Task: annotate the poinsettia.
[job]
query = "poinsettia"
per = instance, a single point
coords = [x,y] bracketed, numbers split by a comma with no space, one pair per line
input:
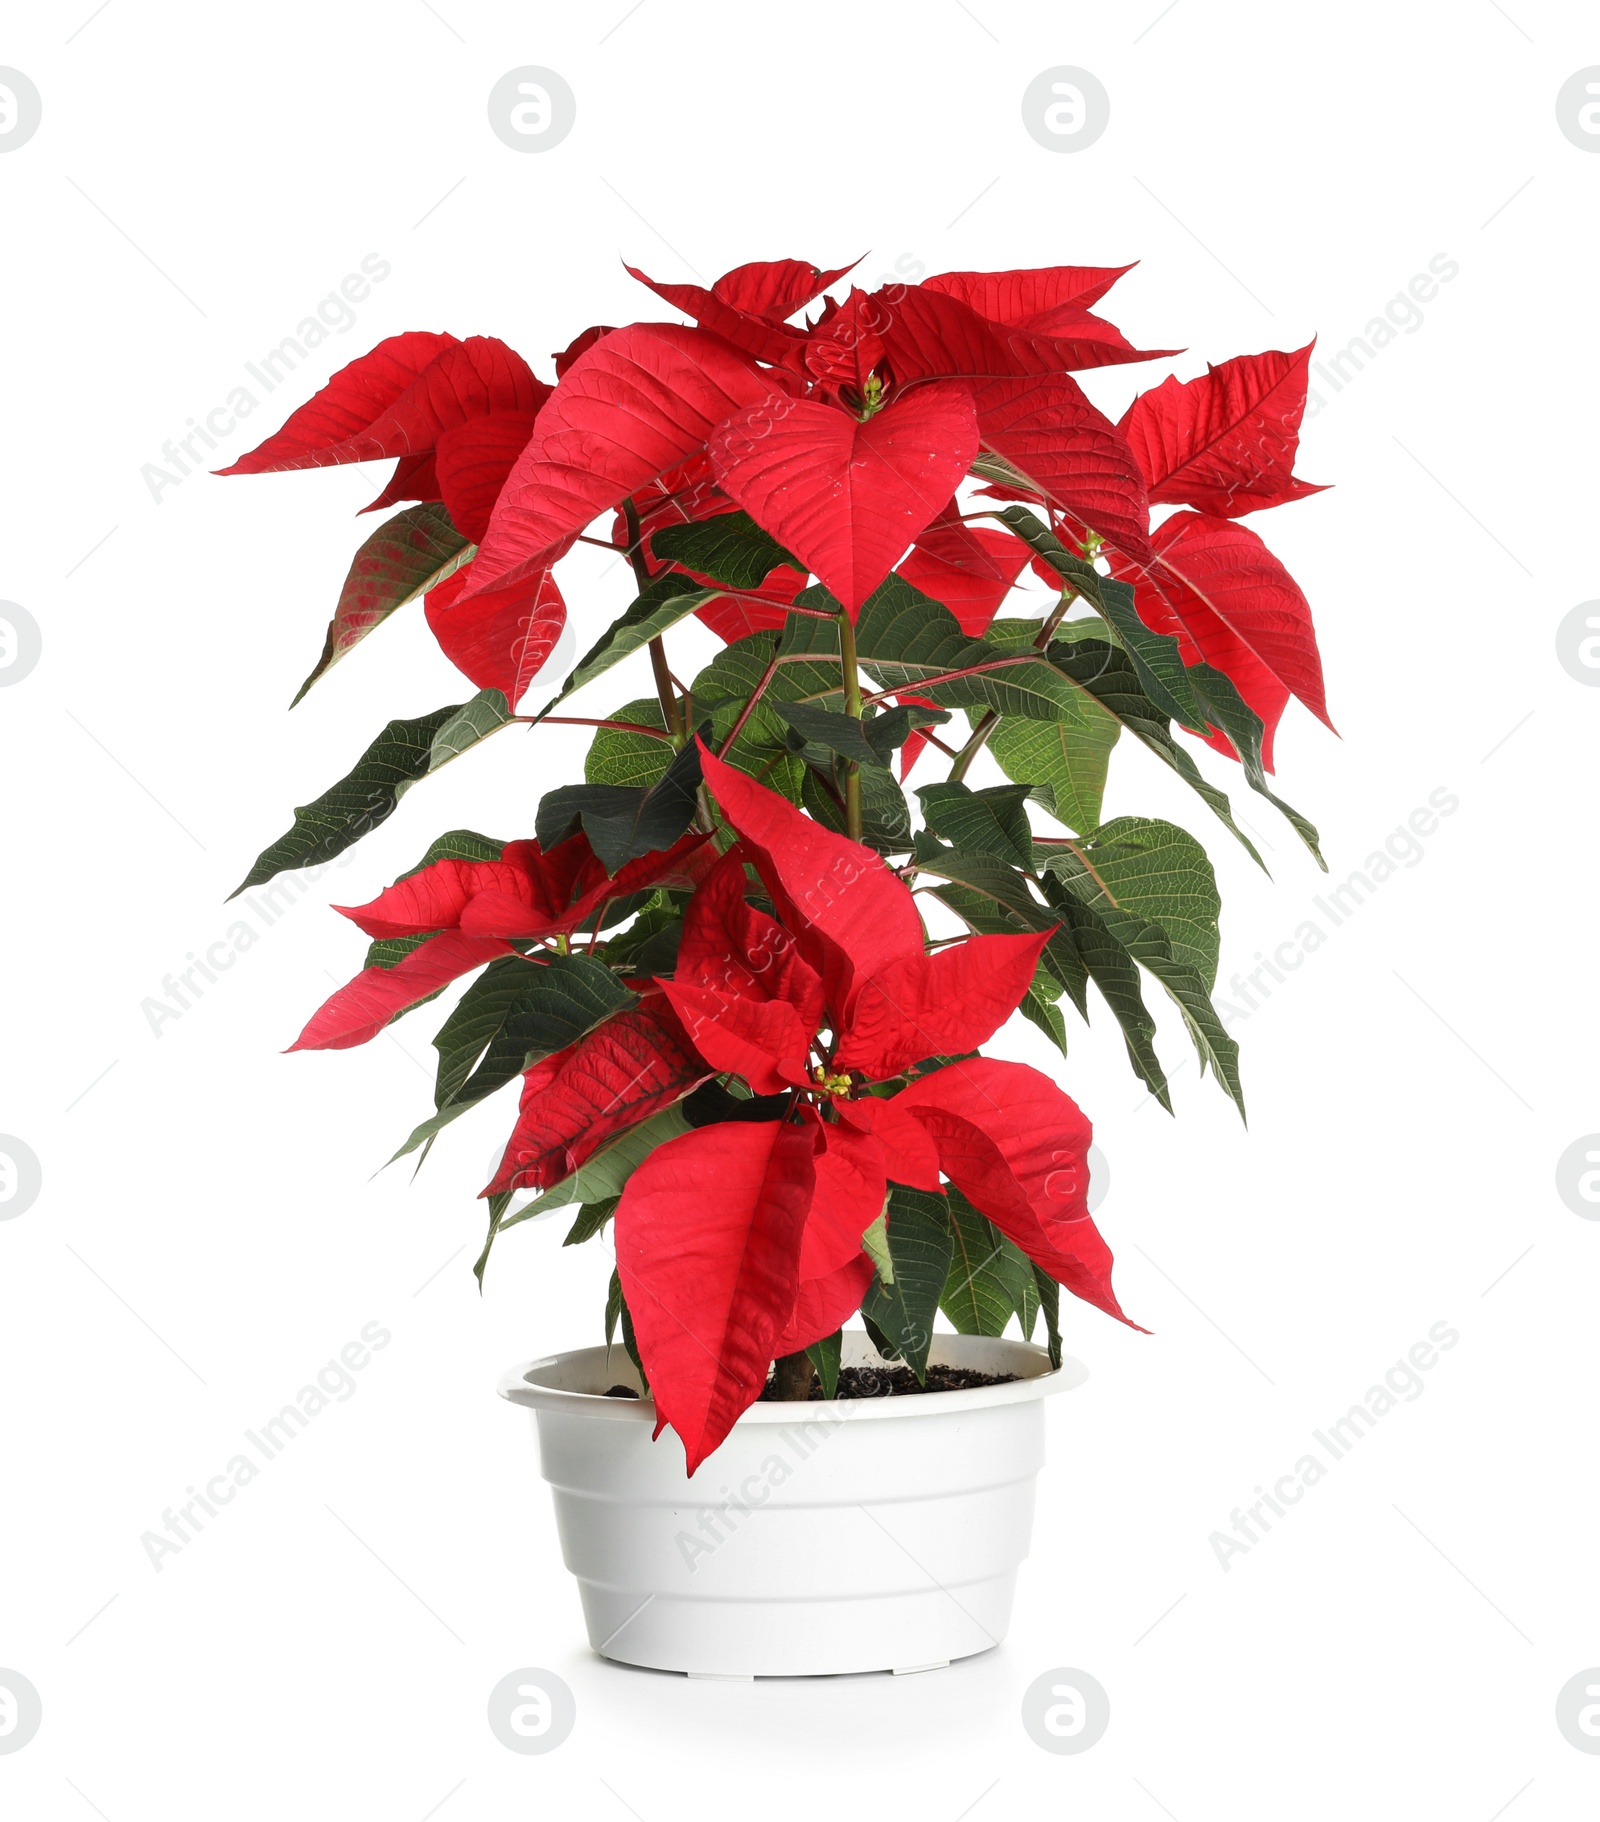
[740,1241]
[737,1041]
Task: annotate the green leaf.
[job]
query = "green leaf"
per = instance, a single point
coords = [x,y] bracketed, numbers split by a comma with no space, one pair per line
[497,1207]
[991,821]
[1115,973]
[983,1289]
[635,761]
[1147,944]
[731,548]
[629,1342]
[591,1218]
[1157,870]
[363,798]
[824,1357]
[1039,1006]
[885,820]
[1063,761]
[1157,658]
[724,687]
[385,951]
[458,844]
[405,557]
[1050,1303]
[1226,708]
[841,734]
[1075,572]
[1106,672]
[904,637]
[484,715]
[663,603]
[875,1243]
[994,900]
[891,728]
[920,1243]
[514,1014]
[623,823]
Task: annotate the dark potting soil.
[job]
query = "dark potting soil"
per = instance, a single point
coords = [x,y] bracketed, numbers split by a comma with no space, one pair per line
[901,1382]
[880,1382]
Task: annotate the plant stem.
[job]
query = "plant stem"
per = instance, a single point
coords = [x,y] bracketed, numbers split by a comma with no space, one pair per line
[791,1378]
[744,714]
[670,711]
[980,734]
[852,706]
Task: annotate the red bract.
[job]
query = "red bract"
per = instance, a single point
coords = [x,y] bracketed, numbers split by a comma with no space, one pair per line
[1075,459]
[456,414]
[971,569]
[500,639]
[636,403]
[1217,583]
[1224,443]
[470,910]
[629,1068]
[846,495]
[1026,299]
[740,1240]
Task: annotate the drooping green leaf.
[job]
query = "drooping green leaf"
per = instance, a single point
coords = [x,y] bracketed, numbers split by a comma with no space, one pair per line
[1050,1303]
[731,549]
[363,798]
[824,1356]
[591,1218]
[1107,673]
[983,1289]
[1115,973]
[1157,659]
[498,1205]
[1040,1008]
[1063,761]
[623,823]
[990,821]
[405,557]
[484,715]
[665,601]
[1075,572]
[920,1242]
[514,1014]
[1157,870]
[995,900]
[634,761]
[1148,944]
[1225,708]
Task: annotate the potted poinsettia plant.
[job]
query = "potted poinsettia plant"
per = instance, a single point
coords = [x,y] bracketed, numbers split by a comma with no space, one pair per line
[742,1047]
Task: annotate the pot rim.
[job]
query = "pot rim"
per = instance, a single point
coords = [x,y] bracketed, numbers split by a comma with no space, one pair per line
[535,1383]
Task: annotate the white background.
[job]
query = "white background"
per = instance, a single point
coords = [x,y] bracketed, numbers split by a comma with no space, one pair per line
[210,1230]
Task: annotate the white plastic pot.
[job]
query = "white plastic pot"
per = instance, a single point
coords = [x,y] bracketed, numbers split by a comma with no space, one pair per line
[848,1535]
